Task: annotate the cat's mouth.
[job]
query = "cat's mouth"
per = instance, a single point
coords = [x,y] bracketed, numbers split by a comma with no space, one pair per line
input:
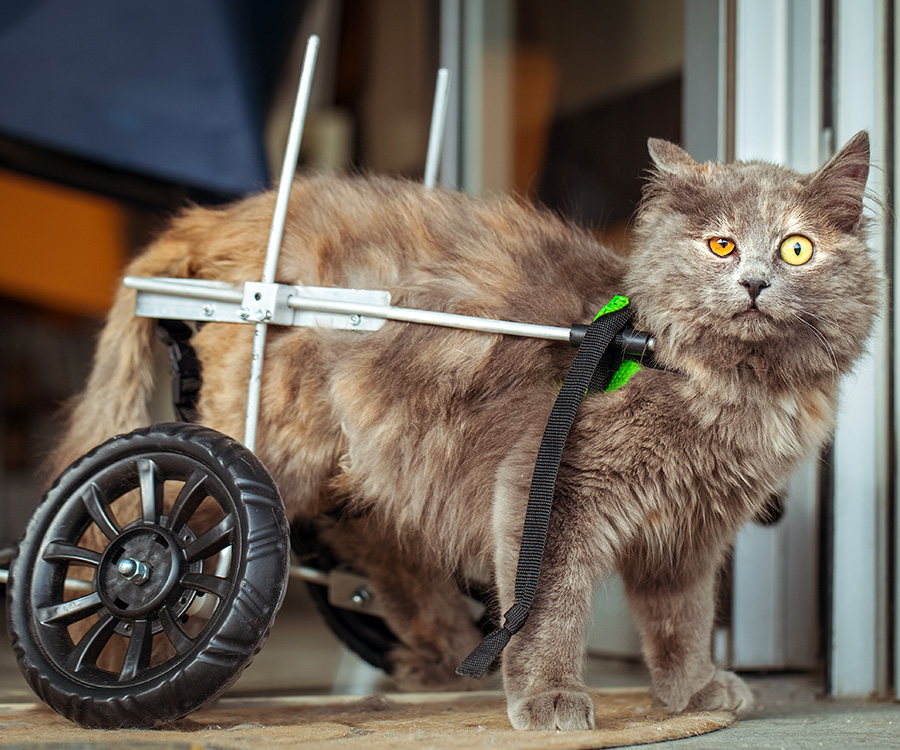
[752,324]
[750,312]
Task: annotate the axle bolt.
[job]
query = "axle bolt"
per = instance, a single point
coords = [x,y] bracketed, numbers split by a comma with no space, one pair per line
[134,570]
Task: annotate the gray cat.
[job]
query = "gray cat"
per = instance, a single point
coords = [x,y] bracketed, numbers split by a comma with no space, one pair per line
[420,441]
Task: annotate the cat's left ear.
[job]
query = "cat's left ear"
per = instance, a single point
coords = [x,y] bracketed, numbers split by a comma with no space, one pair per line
[670,158]
[840,185]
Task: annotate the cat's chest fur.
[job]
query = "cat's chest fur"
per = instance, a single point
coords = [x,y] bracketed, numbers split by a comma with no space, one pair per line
[672,460]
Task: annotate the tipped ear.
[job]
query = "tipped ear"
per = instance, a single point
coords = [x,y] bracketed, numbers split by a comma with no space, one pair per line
[840,185]
[670,158]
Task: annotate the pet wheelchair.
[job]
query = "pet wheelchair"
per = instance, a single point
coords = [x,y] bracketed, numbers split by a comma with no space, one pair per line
[191,603]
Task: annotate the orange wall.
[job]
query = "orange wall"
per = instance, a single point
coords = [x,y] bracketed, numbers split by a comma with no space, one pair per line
[59,247]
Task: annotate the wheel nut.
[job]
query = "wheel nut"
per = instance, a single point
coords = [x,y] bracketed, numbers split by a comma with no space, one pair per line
[134,570]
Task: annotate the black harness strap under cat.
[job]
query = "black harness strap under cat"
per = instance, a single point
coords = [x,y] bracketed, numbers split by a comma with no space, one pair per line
[593,368]
[184,367]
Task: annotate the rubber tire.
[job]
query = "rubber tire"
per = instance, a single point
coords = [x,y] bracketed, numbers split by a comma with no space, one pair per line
[228,641]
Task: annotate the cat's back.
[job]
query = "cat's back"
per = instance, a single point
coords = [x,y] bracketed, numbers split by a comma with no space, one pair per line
[437,248]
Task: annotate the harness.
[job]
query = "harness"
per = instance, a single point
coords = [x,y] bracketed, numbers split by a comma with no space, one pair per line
[184,367]
[597,366]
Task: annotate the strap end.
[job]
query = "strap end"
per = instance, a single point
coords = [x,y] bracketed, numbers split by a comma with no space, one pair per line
[480,660]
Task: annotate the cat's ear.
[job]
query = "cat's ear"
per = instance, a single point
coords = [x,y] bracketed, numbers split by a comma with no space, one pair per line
[840,185]
[670,158]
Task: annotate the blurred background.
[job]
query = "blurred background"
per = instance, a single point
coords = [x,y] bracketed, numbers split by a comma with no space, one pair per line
[115,115]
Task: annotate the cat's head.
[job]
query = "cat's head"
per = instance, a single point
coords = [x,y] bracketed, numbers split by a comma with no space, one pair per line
[755,265]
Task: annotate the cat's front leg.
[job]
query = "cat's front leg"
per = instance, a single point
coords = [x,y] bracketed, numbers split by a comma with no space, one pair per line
[674,613]
[543,664]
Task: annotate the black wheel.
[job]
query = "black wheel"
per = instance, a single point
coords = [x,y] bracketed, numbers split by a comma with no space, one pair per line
[105,591]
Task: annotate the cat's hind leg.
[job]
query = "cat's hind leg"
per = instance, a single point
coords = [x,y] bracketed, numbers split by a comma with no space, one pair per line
[425,608]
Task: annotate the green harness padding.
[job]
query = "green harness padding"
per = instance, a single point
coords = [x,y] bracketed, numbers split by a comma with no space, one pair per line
[626,371]
[629,367]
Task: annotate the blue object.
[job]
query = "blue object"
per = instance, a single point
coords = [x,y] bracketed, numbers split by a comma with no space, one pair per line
[170,89]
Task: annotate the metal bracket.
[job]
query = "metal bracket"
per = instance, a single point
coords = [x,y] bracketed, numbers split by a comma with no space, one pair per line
[345,321]
[258,302]
[350,591]
[346,589]
[266,303]
[186,299]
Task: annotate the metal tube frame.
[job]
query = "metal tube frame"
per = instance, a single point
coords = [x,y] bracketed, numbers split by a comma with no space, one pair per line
[264,303]
[438,121]
[300,298]
[276,233]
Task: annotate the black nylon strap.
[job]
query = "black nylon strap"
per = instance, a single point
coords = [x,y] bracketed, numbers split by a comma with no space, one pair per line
[592,368]
[184,366]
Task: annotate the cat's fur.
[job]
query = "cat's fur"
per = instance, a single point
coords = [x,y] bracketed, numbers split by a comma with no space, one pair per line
[423,438]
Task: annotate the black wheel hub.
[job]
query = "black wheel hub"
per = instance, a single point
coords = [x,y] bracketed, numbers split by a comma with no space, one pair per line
[139,572]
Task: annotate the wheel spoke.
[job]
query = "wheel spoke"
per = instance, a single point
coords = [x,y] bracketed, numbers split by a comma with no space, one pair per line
[210,584]
[189,498]
[71,553]
[140,647]
[99,514]
[180,640]
[92,643]
[71,611]
[214,540]
[151,490]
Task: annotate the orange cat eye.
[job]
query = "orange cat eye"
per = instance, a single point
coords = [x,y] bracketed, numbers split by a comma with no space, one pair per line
[796,250]
[721,246]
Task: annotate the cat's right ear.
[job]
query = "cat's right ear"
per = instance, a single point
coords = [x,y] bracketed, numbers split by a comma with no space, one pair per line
[670,158]
[840,186]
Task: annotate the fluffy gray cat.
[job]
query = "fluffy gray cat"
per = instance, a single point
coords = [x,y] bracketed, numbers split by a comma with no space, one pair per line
[417,443]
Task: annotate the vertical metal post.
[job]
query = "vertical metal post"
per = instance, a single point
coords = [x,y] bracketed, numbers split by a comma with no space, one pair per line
[893,173]
[436,133]
[451,58]
[776,117]
[709,79]
[276,233]
[858,648]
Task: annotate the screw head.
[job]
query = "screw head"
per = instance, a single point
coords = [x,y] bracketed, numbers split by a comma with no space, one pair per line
[355,320]
[361,597]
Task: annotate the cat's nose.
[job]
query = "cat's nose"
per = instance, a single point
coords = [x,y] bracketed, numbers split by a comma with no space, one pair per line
[754,287]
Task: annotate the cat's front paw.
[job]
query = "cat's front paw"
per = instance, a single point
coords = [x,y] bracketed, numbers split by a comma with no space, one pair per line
[726,691]
[554,709]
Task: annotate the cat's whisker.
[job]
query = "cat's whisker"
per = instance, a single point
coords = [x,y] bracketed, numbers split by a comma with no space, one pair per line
[817,316]
[824,343]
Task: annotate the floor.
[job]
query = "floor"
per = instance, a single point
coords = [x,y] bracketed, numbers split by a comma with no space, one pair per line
[303,657]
